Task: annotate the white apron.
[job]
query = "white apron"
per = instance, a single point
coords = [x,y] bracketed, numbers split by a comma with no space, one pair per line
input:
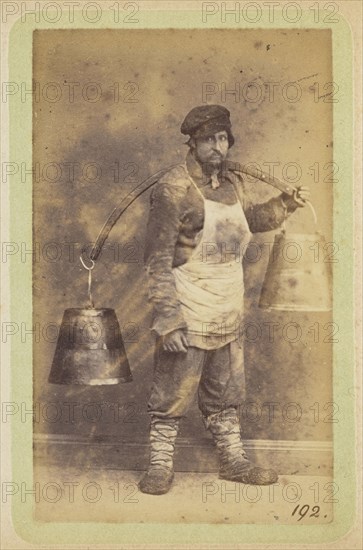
[210,284]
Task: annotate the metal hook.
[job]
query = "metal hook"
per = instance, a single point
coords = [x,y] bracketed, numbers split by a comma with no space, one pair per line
[283,225]
[313,211]
[89,269]
[85,266]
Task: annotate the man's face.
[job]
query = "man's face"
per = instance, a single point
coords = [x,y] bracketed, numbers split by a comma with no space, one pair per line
[212,150]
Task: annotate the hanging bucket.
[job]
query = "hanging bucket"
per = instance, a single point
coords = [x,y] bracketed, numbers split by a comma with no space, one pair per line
[90,350]
[297,277]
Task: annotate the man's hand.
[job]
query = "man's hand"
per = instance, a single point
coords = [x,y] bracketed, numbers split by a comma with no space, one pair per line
[299,198]
[301,195]
[175,341]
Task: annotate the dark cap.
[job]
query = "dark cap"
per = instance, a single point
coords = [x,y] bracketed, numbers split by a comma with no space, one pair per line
[206,120]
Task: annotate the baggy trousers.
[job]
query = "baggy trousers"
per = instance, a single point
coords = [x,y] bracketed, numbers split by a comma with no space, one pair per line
[217,375]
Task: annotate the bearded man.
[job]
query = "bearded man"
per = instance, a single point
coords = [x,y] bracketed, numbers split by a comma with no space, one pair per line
[199,218]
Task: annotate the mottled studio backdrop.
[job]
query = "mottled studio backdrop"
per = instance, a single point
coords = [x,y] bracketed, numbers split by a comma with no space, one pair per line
[127,124]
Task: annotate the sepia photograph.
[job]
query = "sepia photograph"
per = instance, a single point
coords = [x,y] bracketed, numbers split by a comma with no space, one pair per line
[181,268]
[196,340]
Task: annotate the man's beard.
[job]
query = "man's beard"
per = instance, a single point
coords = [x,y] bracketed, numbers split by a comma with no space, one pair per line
[211,165]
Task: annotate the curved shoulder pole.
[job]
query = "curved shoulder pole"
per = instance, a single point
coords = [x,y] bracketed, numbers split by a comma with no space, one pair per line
[124,204]
[152,180]
[262,176]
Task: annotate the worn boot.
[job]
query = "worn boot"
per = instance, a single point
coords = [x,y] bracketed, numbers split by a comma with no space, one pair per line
[159,476]
[234,464]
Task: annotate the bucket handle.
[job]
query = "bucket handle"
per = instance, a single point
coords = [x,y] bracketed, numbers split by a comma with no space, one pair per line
[283,225]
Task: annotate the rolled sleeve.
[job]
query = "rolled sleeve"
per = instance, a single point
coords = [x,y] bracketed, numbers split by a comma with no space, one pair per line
[267,216]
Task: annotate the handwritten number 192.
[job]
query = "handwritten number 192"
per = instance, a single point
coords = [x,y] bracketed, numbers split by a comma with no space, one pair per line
[303,510]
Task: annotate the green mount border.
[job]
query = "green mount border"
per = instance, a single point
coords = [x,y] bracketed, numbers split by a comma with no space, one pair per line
[20,67]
